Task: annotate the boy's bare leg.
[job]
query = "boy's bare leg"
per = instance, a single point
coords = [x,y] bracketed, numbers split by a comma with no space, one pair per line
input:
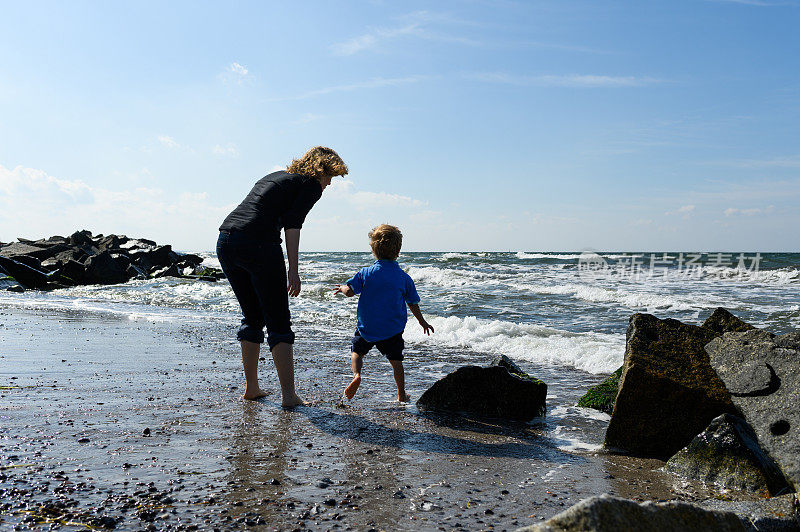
[284,364]
[250,353]
[357,362]
[400,379]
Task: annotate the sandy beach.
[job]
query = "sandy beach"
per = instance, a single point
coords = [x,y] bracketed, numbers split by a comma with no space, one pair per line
[140,422]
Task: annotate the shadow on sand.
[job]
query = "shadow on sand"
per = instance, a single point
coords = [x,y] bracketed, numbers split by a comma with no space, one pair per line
[358,428]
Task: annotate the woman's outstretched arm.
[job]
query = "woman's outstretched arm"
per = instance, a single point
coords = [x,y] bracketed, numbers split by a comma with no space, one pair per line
[292,248]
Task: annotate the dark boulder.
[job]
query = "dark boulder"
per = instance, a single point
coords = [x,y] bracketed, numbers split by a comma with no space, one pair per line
[613,514]
[762,372]
[727,454]
[776,514]
[18,249]
[668,392]
[81,238]
[135,272]
[59,260]
[167,271]
[24,274]
[491,392]
[150,258]
[602,396]
[104,269]
[721,321]
[72,273]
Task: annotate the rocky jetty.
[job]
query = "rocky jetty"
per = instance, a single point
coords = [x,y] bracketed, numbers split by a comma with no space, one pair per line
[501,390]
[668,391]
[82,258]
[727,453]
[762,372]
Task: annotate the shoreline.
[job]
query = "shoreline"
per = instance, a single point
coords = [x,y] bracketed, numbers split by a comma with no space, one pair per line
[375,464]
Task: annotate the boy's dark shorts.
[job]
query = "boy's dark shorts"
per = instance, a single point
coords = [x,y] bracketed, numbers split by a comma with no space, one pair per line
[391,348]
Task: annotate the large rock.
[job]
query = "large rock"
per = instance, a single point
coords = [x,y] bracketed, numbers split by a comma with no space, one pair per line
[104,269]
[612,514]
[488,392]
[668,391]
[762,372]
[727,454]
[24,274]
[602,396]
[776,514]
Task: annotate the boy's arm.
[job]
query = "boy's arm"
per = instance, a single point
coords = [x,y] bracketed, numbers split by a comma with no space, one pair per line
[345,289]
[427,327]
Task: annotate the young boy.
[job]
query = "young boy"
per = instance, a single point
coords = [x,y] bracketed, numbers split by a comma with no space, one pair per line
[385,290]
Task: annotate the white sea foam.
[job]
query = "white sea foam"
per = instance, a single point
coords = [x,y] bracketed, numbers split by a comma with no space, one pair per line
[592,352]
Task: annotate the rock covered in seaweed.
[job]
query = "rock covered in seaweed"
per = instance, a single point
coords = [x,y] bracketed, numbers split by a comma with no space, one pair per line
[612,514]
[668,391]
[501,390]
[727,453]
[762,372]
[602,396]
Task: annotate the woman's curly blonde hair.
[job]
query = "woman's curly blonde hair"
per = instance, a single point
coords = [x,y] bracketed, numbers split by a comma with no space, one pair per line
[386,241]
[317,162]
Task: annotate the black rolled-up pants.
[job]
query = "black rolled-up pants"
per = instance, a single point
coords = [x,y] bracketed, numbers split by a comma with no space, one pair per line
[257,274]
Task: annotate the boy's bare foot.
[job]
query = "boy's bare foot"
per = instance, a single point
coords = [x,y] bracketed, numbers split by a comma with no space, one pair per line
[405,398]
[292,401]
[352,388]
[253,395]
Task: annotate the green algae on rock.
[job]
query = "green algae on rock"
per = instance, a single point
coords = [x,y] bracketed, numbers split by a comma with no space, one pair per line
[602,396]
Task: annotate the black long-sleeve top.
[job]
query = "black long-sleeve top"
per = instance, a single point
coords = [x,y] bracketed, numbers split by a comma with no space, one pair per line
[278,200]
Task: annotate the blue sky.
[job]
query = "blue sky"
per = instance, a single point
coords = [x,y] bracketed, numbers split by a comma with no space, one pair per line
[472,125]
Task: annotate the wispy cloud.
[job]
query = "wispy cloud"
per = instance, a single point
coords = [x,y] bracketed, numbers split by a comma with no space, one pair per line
[418,24]
[168,142]
[563,80]
[53,205]
[228,149]
[753,211]
[773,162]
[684,212]
[344,189]
[759,3]
[235,73]
[374,83]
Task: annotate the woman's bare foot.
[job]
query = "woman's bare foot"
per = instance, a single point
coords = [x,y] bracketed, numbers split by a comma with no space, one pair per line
[253,395]
[289,402]
[352,388]
[405,398]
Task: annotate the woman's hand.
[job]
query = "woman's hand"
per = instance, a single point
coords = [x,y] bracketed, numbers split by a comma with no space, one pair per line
[426,327]
[294,283]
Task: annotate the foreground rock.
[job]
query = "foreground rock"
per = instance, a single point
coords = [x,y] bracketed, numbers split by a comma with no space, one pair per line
[501,390]
[668,391]
[85,259]
[777,514]
[612,514]
[727,454]
[602,396]
[762,372]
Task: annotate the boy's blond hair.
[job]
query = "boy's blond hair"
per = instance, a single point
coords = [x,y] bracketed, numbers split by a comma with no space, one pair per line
[386,241]
[317,162]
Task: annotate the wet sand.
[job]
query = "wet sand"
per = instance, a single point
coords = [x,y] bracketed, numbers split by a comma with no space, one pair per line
[140,424]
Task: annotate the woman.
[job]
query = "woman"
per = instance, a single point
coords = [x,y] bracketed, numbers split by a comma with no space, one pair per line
[249,251]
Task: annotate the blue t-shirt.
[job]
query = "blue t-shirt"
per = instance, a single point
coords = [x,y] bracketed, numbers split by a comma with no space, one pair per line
[385,290]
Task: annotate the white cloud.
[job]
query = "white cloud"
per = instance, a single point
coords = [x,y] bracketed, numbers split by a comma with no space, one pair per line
[345,190]
[34,204]
[560,80]
[235,73]
[229,150]
[685,211]
[168,142]
[748,212]
[374,83]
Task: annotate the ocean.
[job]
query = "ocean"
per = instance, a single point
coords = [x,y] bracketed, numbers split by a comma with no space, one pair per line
[552,312]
